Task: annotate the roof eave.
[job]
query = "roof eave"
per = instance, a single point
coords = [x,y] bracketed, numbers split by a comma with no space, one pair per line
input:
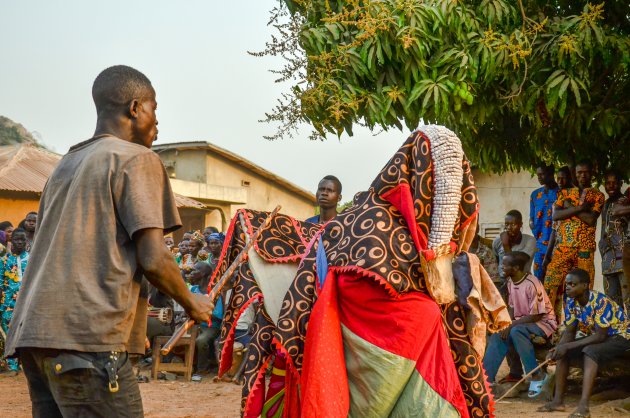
[238,159]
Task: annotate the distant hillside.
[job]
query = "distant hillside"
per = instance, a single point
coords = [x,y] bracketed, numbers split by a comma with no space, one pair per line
[14,133]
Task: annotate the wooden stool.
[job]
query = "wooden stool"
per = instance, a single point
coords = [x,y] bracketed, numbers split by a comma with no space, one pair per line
[187,342]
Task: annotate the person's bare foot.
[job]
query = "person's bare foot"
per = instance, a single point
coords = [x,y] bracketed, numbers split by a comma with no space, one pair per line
[551,407]
[581,411]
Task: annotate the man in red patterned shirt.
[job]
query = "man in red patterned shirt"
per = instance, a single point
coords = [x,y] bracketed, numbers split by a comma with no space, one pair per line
[577,209]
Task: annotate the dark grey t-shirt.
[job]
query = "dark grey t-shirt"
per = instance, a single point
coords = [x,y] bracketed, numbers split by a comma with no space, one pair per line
[81,288]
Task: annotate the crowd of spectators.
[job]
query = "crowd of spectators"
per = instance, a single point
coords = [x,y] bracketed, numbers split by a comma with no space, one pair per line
[15,246]
[547,281]
[197,255]
[546,278]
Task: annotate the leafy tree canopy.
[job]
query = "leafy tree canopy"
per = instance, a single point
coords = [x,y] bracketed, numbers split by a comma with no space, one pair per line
[519,81]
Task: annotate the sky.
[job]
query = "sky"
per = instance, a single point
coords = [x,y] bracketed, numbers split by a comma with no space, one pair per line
[195,53]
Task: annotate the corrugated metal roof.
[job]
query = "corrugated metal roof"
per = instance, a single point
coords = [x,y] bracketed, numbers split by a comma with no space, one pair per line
[239,160]
[187,202]
[26,167]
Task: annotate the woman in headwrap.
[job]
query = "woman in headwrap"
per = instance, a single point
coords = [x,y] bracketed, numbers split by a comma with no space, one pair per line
[215,244]
[195,252]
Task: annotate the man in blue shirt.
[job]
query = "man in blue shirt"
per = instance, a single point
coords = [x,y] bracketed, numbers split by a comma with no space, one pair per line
[540,212]
[328,197]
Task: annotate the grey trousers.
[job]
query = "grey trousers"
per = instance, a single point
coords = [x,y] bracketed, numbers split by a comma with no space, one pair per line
[615,287]
[65,383]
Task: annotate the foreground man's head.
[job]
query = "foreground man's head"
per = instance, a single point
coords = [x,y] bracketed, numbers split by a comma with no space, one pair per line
[125,105]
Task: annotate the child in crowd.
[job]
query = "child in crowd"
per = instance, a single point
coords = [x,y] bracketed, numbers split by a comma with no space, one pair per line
[532,314]
[199,278]
[12,267]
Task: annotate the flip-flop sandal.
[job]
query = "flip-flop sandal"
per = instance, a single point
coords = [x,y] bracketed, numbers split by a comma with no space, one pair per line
[536,387]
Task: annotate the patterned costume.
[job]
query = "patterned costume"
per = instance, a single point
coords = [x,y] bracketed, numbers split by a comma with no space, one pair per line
[487,259]
[575,241]
[541,204]
[12,269]
[373,268]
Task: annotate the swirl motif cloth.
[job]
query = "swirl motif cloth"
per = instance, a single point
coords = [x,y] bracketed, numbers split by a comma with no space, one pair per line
[376,312]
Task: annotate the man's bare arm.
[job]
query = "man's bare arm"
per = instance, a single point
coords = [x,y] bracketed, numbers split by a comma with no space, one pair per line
[583,212]
[588,217]
[560,214]
[597,337]
[160,269]
[622,208]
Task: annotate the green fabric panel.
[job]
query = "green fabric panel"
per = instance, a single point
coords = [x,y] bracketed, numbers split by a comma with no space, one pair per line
[376,377]
[420,400]
[383,384]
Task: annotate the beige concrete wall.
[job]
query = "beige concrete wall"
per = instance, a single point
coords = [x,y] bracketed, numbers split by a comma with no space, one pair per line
[14,208]
[189,164]
[499,193]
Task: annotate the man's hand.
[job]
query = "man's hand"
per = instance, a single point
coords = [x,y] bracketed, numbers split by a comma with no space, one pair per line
[505,333]
[557,352]
[201,308]
[545,264]
[505,240]
[586,206]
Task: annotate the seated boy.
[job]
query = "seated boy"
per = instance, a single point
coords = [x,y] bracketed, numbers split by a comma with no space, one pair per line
[532,314]
[199,278]
[606,337]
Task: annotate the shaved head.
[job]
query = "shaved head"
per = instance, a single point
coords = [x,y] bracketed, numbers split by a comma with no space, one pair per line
[115,87]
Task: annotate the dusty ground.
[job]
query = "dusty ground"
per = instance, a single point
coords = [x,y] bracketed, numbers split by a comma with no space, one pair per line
[208,399]
[160,398]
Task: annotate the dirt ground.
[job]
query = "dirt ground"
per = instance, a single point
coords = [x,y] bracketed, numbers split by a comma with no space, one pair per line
[221,400]
[160,399]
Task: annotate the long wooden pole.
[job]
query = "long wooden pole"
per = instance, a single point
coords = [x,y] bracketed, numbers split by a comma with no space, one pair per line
[216,290]
[523,379]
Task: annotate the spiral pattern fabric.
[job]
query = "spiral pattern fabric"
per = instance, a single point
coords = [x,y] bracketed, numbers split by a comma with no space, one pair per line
[382,237]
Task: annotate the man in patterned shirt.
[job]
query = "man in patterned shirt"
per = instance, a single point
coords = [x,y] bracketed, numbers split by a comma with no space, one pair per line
[613,235]
[12,267]
[540,215]
[577,209]
[605,337]
[622,209]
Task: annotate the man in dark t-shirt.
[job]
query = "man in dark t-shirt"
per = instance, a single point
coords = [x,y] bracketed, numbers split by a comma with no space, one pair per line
[79,313]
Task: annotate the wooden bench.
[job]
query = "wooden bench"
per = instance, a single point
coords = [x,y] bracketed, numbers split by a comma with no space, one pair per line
[185,344]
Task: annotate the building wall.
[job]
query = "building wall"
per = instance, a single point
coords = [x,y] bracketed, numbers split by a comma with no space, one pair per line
[187,165]
[14,207]
[499,193]
[227,186]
